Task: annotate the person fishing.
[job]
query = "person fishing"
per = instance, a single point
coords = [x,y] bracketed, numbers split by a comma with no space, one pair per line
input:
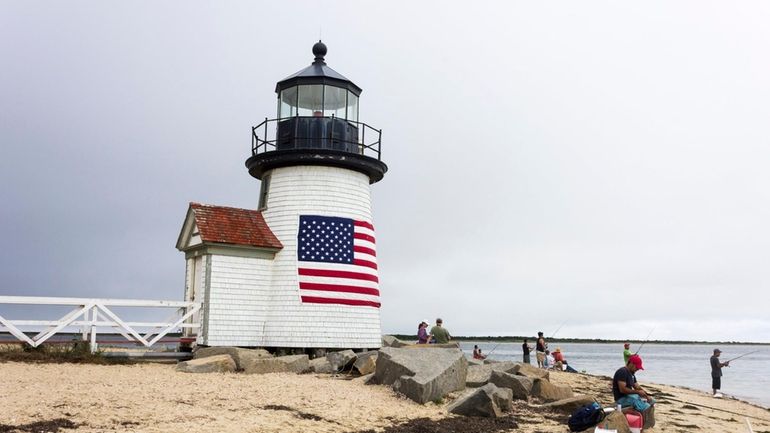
[477,353]
[526,349]
[716,373]
[560,362]
[626,352]
[540,346]
[628,393]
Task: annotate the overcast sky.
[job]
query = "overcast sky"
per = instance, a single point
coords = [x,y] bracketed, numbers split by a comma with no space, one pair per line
[606,164]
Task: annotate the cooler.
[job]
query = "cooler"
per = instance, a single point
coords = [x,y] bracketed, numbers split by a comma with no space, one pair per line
[635,421]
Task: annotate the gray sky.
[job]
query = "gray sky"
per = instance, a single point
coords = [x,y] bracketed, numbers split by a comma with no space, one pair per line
[603,163]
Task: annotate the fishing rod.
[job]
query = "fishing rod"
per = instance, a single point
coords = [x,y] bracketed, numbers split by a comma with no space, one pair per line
[739,357]
[557,330]
[645,341]
[493,349]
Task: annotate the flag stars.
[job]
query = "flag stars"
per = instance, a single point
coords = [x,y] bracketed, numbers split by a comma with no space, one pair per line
[325,239]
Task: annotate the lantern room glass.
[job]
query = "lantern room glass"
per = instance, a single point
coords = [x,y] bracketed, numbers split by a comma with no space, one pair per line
[287,103]
[310,100]
[352,107]
[316,100]
[335,101]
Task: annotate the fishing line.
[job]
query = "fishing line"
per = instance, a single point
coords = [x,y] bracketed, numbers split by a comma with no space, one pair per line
[713,408]
[493,349]
[557,330]
[645,341]
[739,357]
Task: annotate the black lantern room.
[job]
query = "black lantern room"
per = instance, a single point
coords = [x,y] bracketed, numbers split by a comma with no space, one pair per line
[317,124]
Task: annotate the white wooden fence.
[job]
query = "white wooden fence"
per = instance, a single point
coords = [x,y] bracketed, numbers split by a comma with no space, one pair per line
[89,314]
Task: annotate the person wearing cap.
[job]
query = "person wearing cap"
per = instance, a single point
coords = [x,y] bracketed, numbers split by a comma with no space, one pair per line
[628,392]
[716,372]
[540,346]
[626,352]
[422,332]
[439,333]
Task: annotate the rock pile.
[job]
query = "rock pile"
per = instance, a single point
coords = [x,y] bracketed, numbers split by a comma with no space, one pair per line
[260,361]
[422,373]
[249,361]
[524,382]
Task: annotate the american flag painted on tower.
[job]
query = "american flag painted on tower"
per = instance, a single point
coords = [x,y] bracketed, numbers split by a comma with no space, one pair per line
[337,261]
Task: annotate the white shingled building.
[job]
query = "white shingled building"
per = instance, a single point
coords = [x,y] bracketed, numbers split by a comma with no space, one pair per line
[300,271]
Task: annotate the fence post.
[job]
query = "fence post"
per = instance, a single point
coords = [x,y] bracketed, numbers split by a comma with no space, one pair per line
[84,328]
[94,319]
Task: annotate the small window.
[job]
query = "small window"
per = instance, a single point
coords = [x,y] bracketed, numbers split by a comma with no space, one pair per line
[263,191]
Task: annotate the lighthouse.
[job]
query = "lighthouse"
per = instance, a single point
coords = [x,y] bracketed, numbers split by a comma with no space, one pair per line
[300,270]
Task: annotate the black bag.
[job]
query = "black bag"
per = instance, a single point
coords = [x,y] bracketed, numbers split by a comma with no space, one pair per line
[586,417]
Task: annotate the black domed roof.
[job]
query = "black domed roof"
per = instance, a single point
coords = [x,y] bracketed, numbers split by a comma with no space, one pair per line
[318,73]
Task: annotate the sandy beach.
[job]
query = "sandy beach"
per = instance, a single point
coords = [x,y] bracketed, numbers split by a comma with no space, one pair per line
[154,398]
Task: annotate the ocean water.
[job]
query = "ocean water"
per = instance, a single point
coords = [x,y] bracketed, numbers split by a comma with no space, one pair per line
[747,378]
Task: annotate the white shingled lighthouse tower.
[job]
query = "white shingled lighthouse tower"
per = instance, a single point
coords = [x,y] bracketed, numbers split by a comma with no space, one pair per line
[301,270]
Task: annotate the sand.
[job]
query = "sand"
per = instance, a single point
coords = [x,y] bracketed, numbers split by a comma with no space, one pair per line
[154,398]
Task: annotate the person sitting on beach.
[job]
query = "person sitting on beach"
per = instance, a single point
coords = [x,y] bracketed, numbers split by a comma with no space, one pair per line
[558,359]
[628,392]
[422,332]
[560,363]
[548,362]
[477,352]
[439,333]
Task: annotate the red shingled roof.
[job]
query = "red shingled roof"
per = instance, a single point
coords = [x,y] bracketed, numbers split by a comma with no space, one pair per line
[229,225]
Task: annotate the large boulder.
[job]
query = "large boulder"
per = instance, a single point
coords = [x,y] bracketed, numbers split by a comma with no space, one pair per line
[321,365]
[279,364]
[614,421]
[478,375]
[531,372]
[520,386]
[569,405]
[342,360]
[366,362]
[546,391]
[209,364]
[391,341]
[421,375]
[472,361]
[237,353]
[482,402]
[503,398]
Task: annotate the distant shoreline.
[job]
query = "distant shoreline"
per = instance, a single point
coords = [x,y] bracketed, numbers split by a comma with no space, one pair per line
[518,339]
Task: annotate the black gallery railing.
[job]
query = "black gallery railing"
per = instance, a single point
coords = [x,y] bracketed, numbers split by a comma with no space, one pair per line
[316,132]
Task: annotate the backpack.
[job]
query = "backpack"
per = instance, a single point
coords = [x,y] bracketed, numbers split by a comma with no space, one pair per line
[586,417]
